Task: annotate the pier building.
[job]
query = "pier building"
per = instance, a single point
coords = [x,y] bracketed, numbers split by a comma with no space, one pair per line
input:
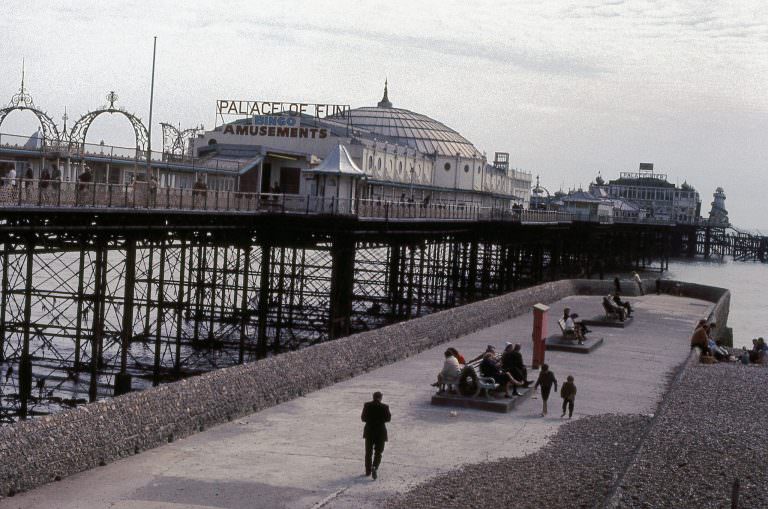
[657,198]
[404,155]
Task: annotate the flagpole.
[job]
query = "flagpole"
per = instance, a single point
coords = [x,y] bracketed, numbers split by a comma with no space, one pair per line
[151,101]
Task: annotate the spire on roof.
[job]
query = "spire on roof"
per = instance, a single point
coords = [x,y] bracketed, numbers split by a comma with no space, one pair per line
[385,103]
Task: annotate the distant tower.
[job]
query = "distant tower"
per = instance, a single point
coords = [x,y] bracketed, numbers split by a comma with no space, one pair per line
[384,103]
[718,214]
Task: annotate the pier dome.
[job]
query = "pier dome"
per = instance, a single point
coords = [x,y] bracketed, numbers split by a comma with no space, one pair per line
[412,129]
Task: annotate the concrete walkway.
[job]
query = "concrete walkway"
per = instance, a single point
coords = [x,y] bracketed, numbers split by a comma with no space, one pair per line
[307,453]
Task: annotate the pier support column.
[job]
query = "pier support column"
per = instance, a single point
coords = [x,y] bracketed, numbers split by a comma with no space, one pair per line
[472,276]
[179,307]
[342,284]
[263,309]
[160,317]
[244,311]
[25,363]
[123,379]
[393,277]
[97,333]
[4,301]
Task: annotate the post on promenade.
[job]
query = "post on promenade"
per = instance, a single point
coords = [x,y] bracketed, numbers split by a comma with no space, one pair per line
[539,334]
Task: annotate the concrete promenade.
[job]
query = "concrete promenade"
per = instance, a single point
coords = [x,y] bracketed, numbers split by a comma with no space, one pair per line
[307,453]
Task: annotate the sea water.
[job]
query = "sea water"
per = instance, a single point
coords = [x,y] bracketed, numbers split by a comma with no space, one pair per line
[748,316]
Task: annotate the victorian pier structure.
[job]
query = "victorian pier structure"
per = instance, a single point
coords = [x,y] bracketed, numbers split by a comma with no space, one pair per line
[95,302]
[123,268]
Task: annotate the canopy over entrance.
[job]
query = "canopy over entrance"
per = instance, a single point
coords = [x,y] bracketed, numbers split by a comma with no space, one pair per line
[337,162]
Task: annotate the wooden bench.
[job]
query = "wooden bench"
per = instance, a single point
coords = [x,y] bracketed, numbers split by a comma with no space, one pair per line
[613,311]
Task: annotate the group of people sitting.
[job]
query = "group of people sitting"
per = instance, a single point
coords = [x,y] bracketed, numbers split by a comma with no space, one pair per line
[758,354]
[704,339]
[509,371]
[614,305]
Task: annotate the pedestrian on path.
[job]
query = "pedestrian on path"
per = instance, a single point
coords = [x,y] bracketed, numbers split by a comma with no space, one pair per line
[546,380]
[375,416]
[568,393]
[639,282]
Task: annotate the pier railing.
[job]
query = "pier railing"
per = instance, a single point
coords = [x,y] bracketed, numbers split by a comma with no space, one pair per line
[38,193]
[111,153]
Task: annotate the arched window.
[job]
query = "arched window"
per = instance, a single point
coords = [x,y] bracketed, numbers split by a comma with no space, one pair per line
[466,168]
[370,162]
[447,166]
[378,164]
[478,170]
[400,167]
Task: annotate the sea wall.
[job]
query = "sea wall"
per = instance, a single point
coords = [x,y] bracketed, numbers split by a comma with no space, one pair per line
[49,448]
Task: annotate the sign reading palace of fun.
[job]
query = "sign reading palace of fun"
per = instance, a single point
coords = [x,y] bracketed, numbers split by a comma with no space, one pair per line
[278,119]
[251,108]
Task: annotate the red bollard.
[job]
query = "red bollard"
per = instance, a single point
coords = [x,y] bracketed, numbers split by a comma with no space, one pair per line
[539,334]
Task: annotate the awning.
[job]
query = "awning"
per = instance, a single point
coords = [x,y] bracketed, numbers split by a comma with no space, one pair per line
[337,162]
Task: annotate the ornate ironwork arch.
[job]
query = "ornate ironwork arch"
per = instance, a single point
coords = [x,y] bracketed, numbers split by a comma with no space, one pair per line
[80,130]
[174,139]
[51,134]
[23,101]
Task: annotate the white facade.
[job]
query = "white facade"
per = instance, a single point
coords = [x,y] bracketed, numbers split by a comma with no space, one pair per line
[404,155]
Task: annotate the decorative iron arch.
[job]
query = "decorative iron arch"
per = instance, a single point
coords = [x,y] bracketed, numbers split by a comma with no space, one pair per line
[80,129]
[174,139]
[23,101]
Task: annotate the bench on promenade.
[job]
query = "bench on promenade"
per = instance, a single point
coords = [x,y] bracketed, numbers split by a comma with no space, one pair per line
[566,341]
[476,391]
[612,317]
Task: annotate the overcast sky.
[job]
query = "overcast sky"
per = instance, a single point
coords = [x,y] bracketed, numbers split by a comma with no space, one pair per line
[567,91]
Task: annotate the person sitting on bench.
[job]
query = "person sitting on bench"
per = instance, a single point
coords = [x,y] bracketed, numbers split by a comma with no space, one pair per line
[488,349]
[699,337]
[579,325]
[613,309]
[512,362]
[622,303]
[490,368]
[572,328]
[458,356]
[449,376]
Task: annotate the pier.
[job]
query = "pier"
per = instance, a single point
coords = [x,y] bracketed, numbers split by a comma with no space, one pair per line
[107,289]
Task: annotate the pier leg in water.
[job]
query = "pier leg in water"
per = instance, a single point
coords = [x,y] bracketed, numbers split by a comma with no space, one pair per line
[342,282]
[123,378]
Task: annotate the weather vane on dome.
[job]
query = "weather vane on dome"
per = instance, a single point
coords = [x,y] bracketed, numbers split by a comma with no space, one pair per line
[112,97]
[22,99]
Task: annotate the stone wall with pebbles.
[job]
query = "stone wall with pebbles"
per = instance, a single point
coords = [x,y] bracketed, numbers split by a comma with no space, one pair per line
[49,448]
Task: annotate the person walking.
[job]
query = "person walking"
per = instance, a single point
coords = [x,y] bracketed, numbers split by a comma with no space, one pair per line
[546,380]
[375,416]
[639,282]
[568,393]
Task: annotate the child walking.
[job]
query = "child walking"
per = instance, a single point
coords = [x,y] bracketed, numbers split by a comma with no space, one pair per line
[546,380]
[568,393]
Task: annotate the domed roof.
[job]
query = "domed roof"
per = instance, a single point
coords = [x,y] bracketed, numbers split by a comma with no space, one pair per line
[411,129]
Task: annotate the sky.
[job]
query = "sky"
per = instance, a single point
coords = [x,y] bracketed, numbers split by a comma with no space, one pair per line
[569,89]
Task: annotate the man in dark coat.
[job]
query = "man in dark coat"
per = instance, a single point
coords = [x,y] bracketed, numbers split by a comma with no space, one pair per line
[375,415]
[517,366]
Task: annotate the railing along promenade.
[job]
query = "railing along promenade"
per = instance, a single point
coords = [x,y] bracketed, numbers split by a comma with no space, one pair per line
[35,193]
[111,153]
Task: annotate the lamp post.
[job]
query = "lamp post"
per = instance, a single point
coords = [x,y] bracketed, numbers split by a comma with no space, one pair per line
[151,101]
